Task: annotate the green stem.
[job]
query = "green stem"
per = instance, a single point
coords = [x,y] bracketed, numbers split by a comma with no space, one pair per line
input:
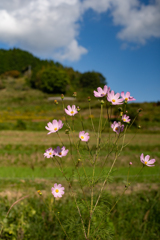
[73,123]
[92,189]
[60,139]
[74,198]
[91,117]
[128,174]
[126,187]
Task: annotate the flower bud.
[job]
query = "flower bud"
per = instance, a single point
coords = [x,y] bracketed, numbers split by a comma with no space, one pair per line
[102,102]
[56,102]
[139,127]
[39,192]
[62,96]
[120,109]
[67,131]
[78,109]
[74,94]
[139,110]
[130,163]
[121,113]
[89,99]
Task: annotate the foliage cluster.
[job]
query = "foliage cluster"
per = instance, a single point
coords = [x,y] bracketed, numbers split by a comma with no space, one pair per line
[35,218]
[52,80]
[12,73]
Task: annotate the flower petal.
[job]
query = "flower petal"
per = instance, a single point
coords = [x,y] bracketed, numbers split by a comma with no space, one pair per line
[122,95]
[151,161]
[105,89]
[99,89]
[127,94]
[142,157]
[148,165]
[146,158]
[67,112]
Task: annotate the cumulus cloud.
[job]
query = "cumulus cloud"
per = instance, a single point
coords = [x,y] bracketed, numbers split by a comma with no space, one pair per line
[97,5]
[50,28]
[71,52]
[43,27]
[139,22]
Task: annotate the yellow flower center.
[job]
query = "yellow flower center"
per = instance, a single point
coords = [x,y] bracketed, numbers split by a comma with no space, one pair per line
[116,128]
[56,190]
[113,100]
[50,153]
[55,129]
[145,162]
[126,99]
[82,137]
[124,119]
[60,153]
[72,112]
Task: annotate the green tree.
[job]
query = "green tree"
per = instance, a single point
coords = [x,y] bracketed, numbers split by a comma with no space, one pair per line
[92,80]
[52,80]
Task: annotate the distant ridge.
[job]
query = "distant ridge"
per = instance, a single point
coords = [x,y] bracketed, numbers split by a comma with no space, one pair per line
[47,75]
[17,59]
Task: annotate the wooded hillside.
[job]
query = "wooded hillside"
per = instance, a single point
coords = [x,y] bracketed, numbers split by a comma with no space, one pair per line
[47,75]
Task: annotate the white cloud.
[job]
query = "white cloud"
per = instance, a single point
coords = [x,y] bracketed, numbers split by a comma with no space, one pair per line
[97,5]
[42,26]
[139,22]
[50,28]
[71,52]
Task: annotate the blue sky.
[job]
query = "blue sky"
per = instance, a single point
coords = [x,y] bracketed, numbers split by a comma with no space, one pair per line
[119,38]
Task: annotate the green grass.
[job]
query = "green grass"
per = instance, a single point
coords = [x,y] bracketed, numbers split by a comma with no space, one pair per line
[118,174]
[23,170]
[135,217]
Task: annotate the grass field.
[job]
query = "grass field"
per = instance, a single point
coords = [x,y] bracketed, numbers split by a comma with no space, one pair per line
[24,113]
[24,170]
[22,160]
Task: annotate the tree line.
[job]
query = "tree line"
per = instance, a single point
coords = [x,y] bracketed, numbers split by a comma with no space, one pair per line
[47,75]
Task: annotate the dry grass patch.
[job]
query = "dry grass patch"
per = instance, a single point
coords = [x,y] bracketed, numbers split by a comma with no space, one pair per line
[41,138]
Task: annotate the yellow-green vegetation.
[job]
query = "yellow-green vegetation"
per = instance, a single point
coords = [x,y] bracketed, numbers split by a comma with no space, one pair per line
[23,108]
[22,157]
[24,113]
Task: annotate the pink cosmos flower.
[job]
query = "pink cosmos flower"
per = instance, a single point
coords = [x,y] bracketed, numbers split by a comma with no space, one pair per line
[54,126]
[57,190]
[117,127]
[84,136]
[114,98]
[126,118]
[60,152]
[145,160]
[130,163]
[101,92]
[126,97]
[71,111]
[49,153]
